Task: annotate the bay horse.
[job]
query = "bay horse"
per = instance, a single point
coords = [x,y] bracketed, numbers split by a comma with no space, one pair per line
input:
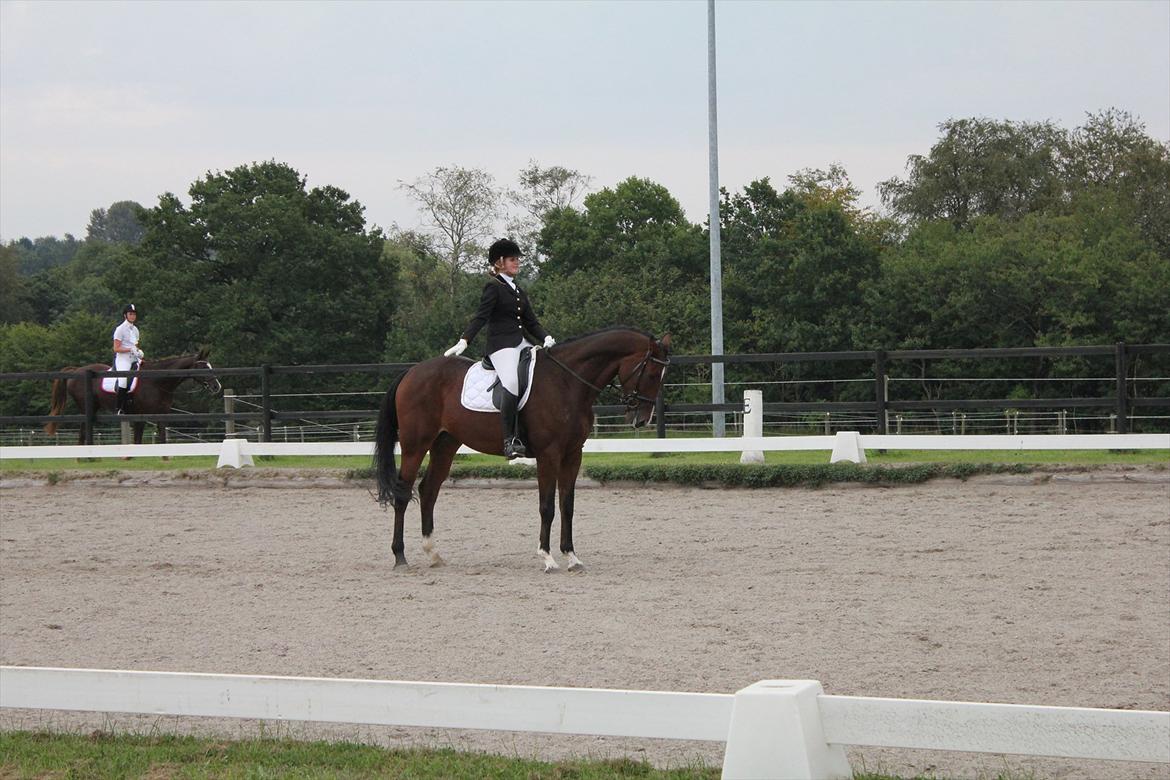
[422,412]
[154,395]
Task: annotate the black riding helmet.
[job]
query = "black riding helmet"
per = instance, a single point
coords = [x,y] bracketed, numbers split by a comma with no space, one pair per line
[128,308]
[504,247]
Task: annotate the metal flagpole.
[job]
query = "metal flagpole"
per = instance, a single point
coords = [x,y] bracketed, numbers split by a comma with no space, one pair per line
[717,418]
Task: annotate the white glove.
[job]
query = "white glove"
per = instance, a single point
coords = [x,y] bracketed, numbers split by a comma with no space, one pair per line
[549,341]
[138,353]
[457,349]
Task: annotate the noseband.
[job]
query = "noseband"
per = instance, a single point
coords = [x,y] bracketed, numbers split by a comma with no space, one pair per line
[632,398]
[629,399]
[209,382]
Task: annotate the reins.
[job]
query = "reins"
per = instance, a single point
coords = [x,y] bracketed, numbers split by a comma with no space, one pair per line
[574,374]
[629,399]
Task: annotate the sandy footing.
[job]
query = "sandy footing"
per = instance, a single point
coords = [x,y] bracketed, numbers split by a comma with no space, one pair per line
[1054,593]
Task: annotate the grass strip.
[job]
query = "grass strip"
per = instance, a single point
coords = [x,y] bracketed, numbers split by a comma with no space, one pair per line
[101,754]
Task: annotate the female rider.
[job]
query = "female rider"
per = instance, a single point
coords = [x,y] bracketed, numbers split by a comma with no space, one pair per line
[507,312]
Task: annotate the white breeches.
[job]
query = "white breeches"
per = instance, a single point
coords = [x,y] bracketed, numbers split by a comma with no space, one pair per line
[507,363]
[124,361]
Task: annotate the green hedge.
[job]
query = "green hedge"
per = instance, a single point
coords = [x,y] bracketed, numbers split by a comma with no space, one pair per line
[749,476]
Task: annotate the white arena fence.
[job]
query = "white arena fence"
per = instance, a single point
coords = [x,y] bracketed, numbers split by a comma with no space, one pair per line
[775,728]
[844,446]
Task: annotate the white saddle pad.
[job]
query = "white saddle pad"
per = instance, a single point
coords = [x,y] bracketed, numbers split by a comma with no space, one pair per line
[477,387]
[109,386]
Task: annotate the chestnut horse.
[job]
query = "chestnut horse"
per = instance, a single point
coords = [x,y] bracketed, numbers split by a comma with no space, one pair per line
[154,395]
[422,411]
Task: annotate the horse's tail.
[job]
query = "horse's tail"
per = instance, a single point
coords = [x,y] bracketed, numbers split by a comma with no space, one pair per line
[59,398]
[390,487]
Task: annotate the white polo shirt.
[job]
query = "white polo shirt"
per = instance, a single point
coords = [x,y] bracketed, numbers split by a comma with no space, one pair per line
[127,333]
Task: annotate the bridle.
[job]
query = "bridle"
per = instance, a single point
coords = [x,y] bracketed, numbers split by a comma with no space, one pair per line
[212,383]
[630,399]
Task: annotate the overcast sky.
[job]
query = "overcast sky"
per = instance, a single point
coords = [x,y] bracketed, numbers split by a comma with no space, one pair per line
[104,101]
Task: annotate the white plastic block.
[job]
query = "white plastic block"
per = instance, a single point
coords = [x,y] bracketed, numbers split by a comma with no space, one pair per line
[847,446]
[234,453]
[776,732]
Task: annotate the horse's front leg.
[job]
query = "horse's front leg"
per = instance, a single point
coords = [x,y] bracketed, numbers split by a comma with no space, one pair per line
[442,454]
[567,485]
[546,479]
[139,429]
[162,436]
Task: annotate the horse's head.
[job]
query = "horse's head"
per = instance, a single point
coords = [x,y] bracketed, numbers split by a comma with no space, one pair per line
[210,382]
[640,376]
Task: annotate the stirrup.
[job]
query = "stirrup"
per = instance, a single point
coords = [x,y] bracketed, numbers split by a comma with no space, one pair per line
[514,448]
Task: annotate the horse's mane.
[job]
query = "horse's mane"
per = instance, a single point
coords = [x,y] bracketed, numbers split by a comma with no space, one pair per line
[167,362]
[645,333]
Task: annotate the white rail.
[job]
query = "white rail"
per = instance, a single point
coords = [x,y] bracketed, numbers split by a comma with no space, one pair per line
[1098,441]
[787,727]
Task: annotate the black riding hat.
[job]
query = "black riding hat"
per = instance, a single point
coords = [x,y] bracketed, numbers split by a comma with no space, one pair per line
[504,247]
[129,308]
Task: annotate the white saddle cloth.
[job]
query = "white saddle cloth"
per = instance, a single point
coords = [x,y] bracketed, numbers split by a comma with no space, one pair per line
[477,387]
[109,384]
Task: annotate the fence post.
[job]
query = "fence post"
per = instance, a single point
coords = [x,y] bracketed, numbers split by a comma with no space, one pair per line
[660,415]
[776,731]
[90,409]
[229,407]
[266,402]
[1122,392]
[879,385]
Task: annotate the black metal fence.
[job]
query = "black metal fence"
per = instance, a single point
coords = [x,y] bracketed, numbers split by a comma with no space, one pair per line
[1116,392]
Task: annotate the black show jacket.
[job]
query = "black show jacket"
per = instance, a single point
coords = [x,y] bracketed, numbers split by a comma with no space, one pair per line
[507,313]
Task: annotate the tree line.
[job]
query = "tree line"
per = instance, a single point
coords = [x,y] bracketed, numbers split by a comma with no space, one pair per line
[1003,234]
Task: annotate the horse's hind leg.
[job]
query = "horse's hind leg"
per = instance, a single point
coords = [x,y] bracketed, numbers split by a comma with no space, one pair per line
[398,546]
[406,474]
[567,484]
[442,454]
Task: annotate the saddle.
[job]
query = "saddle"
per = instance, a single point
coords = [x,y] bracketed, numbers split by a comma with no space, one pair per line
[109,384]
[482,390]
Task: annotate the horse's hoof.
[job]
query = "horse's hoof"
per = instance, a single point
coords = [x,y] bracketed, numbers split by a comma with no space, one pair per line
[576,567]
[399,561]
[436,562]
[551,569]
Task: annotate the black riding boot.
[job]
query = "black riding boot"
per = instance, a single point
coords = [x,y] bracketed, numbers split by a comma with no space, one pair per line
[510,421]
[120,400]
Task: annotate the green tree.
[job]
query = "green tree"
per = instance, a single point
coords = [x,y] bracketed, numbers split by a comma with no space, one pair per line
[461,207]
[75,340]
[542,190]
[14,304]
[264,270]
[427,318]
[630,257]
[1112,156]
[1043,280]
[980,167]
[43,253]
[121,223]
[794,267]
